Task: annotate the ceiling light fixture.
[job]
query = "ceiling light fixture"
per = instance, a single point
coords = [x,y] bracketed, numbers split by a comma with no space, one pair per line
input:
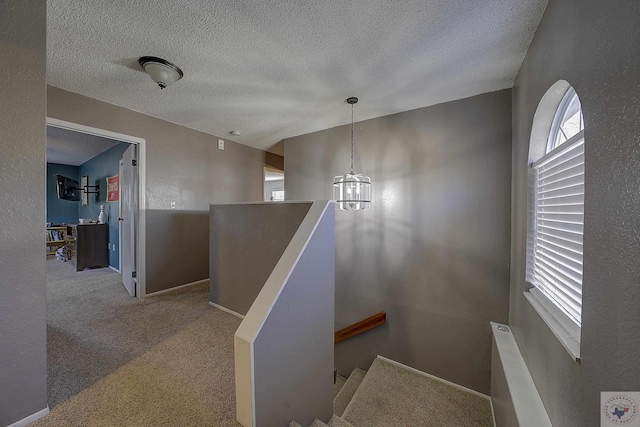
[352,192]
[234,133]
[161,71]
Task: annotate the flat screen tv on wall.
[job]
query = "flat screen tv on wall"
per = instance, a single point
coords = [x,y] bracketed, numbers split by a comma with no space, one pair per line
[68,189]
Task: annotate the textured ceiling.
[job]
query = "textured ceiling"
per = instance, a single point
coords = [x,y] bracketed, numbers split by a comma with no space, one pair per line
[74,148]
[281,68]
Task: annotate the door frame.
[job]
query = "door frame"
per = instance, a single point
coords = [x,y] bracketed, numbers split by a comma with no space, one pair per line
[141,288]
[120,215]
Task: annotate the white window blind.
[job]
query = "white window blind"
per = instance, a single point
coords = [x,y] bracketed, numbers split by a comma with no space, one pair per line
[559,224]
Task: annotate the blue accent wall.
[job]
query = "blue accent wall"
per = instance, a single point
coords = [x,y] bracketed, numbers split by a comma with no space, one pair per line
[99,168]
[60,211]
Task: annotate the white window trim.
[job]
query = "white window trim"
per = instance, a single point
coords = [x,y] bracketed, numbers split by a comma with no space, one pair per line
[569,142]
[562,326]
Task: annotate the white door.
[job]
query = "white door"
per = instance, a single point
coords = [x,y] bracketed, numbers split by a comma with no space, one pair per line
[129,207]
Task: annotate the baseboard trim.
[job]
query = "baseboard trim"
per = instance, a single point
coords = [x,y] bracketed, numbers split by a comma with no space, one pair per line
[31,418]
[115,269]
[164,291]
[226,310]
[433,377]
[493,414]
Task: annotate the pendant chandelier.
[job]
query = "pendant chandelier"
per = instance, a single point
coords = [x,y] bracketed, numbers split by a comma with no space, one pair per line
[352,192]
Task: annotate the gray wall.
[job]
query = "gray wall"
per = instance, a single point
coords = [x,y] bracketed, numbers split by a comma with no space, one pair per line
[594,46]
[183,166]
[246,243]
[187,260]
[434,250]
[23,369]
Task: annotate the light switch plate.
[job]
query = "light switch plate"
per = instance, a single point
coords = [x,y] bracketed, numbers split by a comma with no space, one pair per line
[220,144]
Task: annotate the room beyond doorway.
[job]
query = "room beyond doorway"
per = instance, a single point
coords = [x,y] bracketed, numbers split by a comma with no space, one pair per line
[273,185]
[125,252]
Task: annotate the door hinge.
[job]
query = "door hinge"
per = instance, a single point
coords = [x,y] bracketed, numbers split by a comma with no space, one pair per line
[133,274]
[134,162]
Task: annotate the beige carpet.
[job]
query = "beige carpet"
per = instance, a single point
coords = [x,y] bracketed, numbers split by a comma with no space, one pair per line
[390,396]
[118,361]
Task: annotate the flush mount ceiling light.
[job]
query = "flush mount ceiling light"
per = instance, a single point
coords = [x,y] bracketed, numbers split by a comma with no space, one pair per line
[161,71]
[234,133]
[352,192]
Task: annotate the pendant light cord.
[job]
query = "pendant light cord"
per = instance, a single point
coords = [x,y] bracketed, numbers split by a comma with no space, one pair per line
[351,139]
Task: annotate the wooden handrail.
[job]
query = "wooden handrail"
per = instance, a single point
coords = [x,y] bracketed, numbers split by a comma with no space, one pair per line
[360,327]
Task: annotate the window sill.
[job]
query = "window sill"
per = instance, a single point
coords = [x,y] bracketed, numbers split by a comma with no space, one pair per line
[567,332]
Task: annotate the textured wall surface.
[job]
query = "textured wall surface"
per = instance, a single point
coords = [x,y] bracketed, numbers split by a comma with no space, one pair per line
[185,172]
[23,368]
[594,46]
[180,253]
[433,251]
[58,210]
[98,169]
[247,241]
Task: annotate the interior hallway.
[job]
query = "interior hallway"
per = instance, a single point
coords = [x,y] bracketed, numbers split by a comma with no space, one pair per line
[116,360]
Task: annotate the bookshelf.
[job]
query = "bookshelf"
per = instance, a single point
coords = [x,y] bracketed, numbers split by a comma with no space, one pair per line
[55,239]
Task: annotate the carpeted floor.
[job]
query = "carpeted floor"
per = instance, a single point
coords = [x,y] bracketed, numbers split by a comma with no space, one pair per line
[114,360]
[392,396]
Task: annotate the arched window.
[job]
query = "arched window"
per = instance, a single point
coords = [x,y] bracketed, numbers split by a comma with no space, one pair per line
[568,120]
[556,217]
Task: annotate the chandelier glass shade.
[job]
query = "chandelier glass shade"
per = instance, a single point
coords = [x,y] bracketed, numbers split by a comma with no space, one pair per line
[352,191]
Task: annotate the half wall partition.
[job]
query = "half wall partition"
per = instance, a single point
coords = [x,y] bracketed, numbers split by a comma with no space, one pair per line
[274,265]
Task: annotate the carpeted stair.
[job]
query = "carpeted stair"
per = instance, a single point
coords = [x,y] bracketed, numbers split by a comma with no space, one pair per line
[340,380]
[335,421]
[344,396]
[389,395]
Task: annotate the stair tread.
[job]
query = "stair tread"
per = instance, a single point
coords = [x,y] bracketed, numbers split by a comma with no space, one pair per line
[340,380]
[294,424]
[392,395]
[344,396]
[318,423]
[336,421]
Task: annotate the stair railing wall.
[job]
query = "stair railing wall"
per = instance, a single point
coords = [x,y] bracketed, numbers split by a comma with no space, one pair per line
[284,346]
[245,244]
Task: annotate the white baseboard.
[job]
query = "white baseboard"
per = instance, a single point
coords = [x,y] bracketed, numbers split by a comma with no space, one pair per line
[493,414]
[433,377]
[115,269]
[175,288]
[31,418]
[226,310]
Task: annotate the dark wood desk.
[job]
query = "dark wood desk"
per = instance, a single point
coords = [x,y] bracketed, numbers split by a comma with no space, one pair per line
[91,246]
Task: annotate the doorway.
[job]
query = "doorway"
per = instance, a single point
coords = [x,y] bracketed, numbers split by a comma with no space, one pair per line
[128,212]
[273,184]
